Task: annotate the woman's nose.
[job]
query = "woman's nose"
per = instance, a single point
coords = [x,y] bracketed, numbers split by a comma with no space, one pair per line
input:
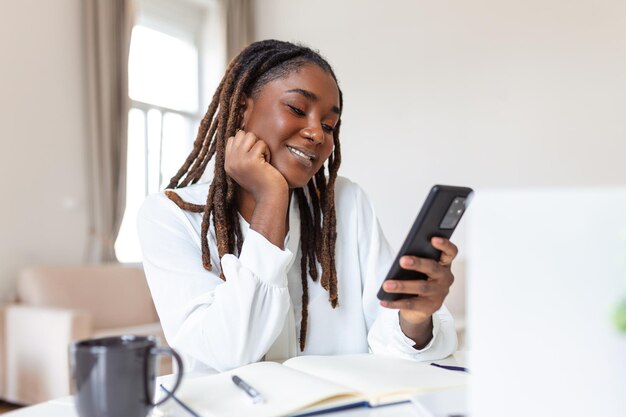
[314,134]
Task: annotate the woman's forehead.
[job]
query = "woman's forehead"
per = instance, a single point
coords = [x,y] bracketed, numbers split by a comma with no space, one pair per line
[309,78]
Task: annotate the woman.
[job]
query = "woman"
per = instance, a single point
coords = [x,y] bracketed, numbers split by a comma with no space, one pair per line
[274,258]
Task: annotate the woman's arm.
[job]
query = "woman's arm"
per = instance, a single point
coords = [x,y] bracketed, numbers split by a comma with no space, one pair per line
[221,324]
[263,192]
[386,335]
[428,295]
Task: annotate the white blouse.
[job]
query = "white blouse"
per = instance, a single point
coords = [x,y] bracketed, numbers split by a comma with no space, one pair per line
[255,314]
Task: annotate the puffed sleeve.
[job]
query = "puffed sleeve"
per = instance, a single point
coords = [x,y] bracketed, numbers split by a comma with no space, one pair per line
[218,324]
[384,332]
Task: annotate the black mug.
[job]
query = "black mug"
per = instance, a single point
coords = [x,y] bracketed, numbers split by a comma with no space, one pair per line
[116,376]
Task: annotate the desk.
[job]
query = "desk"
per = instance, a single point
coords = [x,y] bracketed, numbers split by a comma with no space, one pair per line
[64,407]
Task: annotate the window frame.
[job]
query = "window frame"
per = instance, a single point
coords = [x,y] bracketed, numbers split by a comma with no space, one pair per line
[186,20]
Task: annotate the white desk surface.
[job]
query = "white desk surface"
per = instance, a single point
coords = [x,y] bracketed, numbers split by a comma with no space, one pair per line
[64,407]
[454,398]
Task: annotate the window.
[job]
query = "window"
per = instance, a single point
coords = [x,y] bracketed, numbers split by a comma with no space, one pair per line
[164,87]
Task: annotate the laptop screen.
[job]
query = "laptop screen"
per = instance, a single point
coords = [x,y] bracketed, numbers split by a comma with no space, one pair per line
[546,271]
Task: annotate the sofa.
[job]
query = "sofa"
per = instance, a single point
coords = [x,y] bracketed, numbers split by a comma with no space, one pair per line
[57,305]
[2,349]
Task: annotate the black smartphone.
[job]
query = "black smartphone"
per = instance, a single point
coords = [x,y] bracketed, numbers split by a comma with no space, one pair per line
[439,216]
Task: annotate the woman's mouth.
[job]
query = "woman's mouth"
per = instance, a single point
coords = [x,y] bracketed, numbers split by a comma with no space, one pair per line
[302,156]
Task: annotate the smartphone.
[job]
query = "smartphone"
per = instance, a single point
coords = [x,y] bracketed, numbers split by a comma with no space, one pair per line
[439,216]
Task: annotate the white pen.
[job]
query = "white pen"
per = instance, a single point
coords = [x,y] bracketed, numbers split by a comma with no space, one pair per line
[256,396]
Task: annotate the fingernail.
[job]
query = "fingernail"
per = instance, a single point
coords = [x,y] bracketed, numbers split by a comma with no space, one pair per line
[438,240]
[408,261]
[390,285]
[384,303]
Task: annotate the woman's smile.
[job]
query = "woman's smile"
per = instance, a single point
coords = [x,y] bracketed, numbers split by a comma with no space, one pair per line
[304,157]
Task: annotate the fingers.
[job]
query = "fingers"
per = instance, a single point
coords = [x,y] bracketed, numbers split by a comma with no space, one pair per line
[260,150]
[229,144]
[447,248]
[242,141]
[424,265]
[427,295]
[439,280]
[414,287]
[233,142]
[247,142]
[412,304]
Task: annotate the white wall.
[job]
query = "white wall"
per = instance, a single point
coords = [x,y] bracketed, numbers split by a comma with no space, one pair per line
[43,210]
[479,93]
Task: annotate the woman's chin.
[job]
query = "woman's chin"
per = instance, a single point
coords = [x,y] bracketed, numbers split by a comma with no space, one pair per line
[297,184]
[296,179]
[296,173]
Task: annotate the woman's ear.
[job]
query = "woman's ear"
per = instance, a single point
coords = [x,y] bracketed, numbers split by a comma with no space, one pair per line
[248,104]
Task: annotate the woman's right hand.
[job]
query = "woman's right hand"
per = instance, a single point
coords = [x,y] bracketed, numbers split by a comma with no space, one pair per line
[247,161]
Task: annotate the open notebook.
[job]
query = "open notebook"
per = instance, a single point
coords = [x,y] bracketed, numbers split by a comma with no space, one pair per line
[312,383]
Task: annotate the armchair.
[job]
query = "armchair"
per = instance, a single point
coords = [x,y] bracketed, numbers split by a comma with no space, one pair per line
[58,305]
[2,349]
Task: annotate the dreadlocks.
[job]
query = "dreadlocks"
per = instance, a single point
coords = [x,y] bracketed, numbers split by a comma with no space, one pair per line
[255,66]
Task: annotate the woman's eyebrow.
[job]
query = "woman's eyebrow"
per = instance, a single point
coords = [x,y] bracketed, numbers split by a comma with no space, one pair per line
[311,96]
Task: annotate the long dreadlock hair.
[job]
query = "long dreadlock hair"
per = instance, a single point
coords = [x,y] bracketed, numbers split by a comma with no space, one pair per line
[258,64]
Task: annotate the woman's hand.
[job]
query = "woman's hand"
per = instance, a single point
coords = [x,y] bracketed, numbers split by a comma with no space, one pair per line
[416,312]
[247,161]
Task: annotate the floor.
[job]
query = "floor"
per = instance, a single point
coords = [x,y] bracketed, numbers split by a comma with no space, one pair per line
[6,407]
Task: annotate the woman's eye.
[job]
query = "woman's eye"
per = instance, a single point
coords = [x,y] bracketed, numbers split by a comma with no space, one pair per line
[328,128]
[296,110]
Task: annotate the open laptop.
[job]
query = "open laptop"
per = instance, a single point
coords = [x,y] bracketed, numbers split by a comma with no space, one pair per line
[546,270]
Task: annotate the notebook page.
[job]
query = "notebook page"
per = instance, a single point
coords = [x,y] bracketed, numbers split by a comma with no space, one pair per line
[378,377]
[285,390]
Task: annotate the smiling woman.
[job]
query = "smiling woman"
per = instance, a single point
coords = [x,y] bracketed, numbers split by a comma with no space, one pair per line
[296,116]
[221,257]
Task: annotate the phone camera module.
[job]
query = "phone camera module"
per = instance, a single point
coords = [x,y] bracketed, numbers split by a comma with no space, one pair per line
[454,213]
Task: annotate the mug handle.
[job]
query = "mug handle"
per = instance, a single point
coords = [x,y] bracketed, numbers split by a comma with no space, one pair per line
[179,375]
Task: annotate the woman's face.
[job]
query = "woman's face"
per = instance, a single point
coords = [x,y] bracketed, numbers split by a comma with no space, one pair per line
[296,116]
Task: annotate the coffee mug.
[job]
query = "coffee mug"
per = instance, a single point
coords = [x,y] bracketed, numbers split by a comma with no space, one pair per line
[116,376]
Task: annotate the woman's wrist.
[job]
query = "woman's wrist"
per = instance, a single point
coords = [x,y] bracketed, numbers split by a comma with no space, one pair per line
[268,217]
[421,332]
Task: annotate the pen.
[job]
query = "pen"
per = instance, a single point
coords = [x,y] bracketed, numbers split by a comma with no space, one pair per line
[252,393]
[450,367]
[182,404]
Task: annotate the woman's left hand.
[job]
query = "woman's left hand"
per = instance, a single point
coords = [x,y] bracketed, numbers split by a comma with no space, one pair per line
[416,312]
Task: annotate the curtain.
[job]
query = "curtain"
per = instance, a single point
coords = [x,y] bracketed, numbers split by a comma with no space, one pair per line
[108,24]
[239,26]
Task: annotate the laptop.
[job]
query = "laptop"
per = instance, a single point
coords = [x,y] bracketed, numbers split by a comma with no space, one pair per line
[546,271]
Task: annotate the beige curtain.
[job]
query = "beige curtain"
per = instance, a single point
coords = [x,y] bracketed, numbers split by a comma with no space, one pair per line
[108,24]
[239,26]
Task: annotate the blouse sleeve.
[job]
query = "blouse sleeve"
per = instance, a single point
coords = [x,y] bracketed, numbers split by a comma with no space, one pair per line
[222,324]
[384,332]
